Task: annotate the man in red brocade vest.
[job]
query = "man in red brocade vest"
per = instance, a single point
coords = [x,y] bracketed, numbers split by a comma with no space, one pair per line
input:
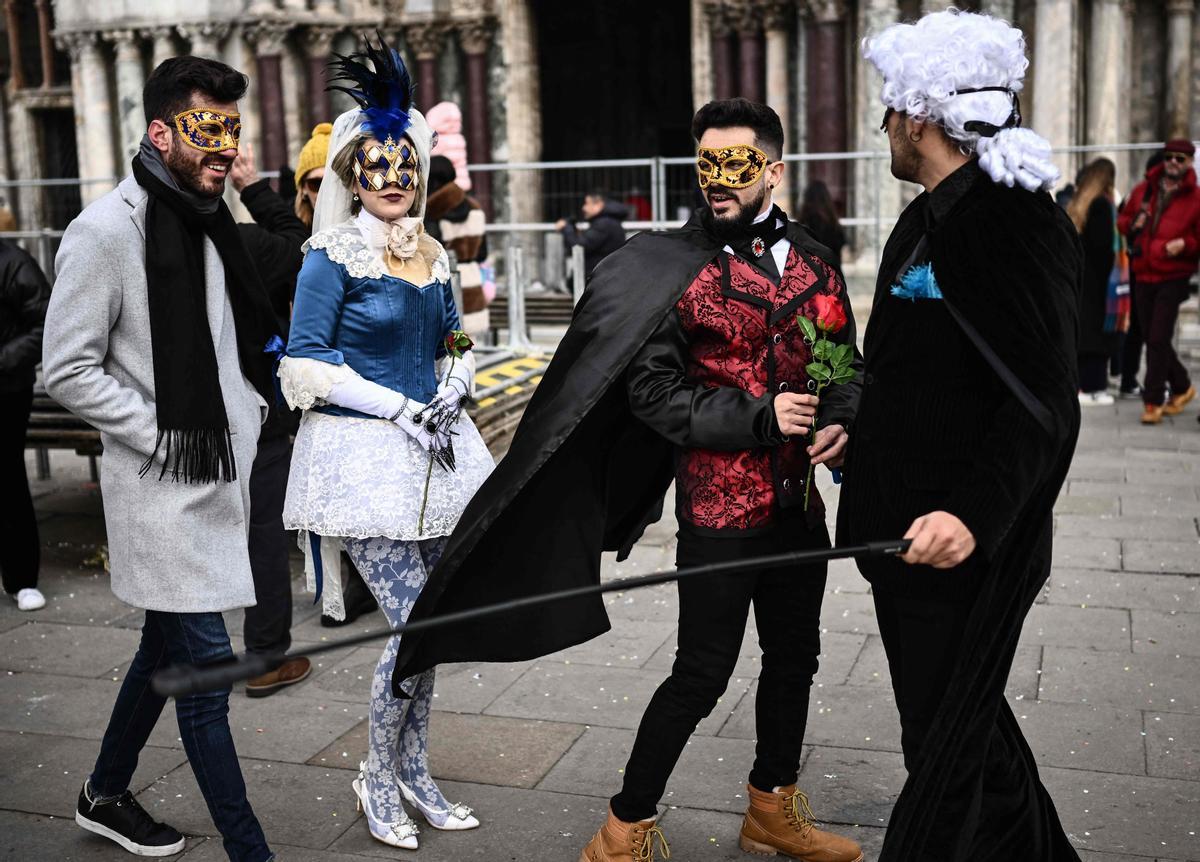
[684,362]
[723,379]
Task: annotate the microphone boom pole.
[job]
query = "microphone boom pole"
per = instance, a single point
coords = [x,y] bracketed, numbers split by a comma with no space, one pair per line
[181,680]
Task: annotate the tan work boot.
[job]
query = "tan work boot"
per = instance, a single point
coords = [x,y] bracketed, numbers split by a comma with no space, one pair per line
[1174,406]
[618,841]
[782,822]
[1152,415]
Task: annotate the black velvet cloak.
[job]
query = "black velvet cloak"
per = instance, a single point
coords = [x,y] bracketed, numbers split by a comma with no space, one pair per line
[1009,262]
[582,476]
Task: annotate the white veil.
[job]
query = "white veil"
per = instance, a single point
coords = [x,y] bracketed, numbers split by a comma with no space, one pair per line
[333,201]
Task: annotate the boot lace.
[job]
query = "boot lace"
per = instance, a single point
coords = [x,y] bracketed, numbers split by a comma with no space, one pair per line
[798,812]
[645,844]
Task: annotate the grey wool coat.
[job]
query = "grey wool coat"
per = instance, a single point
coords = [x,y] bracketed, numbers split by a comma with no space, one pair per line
[172,546]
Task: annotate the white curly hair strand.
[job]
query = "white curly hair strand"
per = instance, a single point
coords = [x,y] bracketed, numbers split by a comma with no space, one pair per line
[925,65]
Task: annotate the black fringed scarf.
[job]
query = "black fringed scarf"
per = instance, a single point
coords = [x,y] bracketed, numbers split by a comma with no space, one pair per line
[193,428]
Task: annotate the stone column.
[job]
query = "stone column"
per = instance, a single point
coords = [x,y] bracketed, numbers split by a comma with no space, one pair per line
[1053,88]
[1004,9]
[45,42]
[722,49]
[777,23]
[131,119]
[475,38]
[701,47]
[522,111]
[206,38]
[1179,66]
[163,41]
[825,107]
[426,40]
[1106,63]
[318,41]
[267,38]
[93,132]
[13,26]
[748,23]
[875,190]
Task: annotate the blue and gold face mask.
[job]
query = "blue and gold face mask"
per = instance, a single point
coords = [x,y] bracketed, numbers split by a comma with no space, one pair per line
[209,131]
[379,165]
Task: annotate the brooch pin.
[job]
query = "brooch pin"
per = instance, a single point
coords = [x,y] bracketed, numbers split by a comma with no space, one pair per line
[758,246]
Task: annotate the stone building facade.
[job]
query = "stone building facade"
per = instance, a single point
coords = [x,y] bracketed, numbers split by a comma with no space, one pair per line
[1103,71]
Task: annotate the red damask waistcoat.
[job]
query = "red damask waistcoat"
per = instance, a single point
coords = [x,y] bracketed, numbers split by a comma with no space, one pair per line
[744,334]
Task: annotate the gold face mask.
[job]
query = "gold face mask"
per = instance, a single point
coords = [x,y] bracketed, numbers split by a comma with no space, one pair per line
[735,167]
[209,131]
[376,166]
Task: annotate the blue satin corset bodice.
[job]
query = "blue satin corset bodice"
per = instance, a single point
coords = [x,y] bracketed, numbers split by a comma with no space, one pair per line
[388,330]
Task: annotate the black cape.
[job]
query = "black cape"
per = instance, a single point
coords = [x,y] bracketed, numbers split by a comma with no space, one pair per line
[582,476]
[1010,263]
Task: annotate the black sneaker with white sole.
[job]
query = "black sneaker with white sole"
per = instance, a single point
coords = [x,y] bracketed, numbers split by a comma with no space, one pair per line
[127,823]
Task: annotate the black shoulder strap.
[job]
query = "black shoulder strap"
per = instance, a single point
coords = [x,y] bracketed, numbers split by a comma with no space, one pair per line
[1030,402]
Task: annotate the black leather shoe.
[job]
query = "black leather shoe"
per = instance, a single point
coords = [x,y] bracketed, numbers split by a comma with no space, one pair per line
[127,823]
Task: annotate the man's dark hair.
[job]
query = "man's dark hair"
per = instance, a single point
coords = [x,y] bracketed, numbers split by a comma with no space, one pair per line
[597,193]
[441,173]
[727,113]
[170,87]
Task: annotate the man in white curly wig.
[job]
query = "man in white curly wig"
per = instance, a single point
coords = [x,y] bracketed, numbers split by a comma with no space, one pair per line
[965,432]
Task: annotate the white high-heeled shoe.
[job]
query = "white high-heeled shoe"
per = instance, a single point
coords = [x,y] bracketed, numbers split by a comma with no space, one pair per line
[401,834]
[456,818]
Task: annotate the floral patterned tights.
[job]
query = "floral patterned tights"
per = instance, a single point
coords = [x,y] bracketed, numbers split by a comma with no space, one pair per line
[398,736]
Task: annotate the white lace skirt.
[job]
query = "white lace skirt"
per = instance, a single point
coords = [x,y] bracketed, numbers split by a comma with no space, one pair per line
[365,478]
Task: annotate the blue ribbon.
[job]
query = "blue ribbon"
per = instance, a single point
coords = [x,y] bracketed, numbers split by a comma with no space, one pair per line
[276,348]
[314,547]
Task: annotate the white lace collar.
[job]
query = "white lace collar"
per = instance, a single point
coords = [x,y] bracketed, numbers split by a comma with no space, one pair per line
[354,244]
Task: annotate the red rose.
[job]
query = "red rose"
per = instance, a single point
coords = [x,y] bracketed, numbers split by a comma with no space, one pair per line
[831,316]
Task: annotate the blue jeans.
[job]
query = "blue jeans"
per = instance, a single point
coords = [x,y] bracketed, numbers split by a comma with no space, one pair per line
[203,726]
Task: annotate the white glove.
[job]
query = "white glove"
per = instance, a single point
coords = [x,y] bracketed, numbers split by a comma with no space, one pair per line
[458,382]
[358,393]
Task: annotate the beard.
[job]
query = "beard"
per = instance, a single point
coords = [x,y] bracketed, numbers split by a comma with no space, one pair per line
[734,224]
[191,175]
[906,161]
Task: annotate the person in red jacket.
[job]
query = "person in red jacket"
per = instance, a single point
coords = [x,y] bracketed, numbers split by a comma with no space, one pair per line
[1162,223]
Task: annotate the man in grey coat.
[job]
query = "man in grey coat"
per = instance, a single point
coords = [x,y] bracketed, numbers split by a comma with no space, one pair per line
[156,335]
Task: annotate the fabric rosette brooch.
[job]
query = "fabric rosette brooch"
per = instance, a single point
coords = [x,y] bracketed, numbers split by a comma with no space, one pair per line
[443,411]
[831,362]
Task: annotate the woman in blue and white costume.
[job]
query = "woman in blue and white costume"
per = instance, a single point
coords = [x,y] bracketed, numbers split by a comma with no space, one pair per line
[366,361]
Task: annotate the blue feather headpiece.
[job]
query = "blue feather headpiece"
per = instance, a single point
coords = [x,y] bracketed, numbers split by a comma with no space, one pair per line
[384,90]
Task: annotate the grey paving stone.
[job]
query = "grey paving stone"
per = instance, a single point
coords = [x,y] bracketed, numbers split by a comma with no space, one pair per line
[482,749]
[72,597]
[59,705]
[1091,588]
[1159,505]
[1126,527]
[1151,473]
[849,612]
[69,650]
[1172,632]
[1129,814]
[1083,736]
[1072,504]
[1122,680]
[712,836]
[518,826]
[310,631]
[848,785]
[25,837]
[1180,557]
[1096,470]
[1173,493]
[42,774]
[1173,745]
[308,806]
[1063,625]
[629,643]
[473,687]
[711,772]
[343,675]
[652,604]
[1159,458]
[1077,553]
[211,850]
[844,577]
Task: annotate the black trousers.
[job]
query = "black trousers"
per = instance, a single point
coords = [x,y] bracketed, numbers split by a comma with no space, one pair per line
[1158,311]
[1093,372]
[712,622]
[268,625]
[1000,811]
[20,550]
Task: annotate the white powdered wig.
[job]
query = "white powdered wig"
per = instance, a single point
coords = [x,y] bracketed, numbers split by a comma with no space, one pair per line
[925,64]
